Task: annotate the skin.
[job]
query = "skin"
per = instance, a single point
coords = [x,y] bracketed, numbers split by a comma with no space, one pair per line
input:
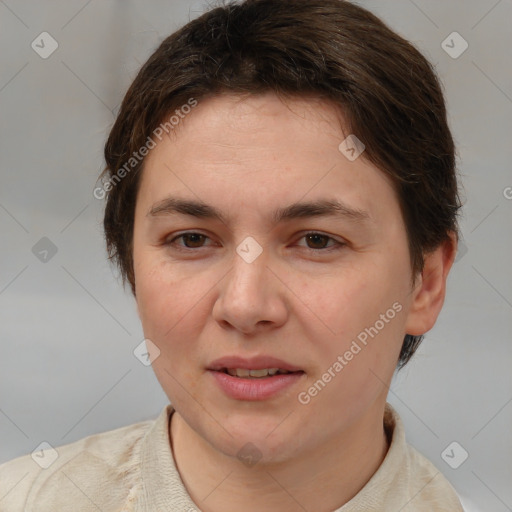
[247,155]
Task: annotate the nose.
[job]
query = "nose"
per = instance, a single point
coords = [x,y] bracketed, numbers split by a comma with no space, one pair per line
[252,298]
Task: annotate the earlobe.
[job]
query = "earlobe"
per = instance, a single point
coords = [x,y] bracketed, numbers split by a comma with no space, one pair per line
[429,292]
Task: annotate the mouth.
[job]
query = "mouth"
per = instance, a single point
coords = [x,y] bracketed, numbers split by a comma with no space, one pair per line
[244,373]
[257,367]
[257,378]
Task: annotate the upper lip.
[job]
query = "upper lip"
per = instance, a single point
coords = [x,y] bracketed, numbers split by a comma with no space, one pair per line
[251,363]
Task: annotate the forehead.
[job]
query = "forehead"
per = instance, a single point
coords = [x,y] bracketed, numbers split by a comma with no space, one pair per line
[251,114]
[256,151]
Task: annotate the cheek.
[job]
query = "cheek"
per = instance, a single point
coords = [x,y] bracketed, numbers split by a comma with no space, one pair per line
[169,308]
[361,313]
[354,365]
[163,295]
[343,304]
[167,304]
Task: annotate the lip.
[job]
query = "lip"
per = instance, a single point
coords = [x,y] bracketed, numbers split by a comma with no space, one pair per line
[252,363]
[263,388]
[253,389]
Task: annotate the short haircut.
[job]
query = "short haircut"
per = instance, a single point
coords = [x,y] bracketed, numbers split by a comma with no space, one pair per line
[388,92]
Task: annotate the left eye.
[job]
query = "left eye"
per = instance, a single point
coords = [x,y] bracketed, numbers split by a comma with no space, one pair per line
[317,238]
[196,240]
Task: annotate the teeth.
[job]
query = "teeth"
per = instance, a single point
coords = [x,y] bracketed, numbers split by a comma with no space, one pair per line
[243,372]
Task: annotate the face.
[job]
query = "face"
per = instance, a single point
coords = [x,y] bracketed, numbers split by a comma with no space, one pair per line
[322,292]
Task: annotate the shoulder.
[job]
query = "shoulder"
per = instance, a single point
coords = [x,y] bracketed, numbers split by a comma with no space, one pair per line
[80,471]
[432,490]
[407,480]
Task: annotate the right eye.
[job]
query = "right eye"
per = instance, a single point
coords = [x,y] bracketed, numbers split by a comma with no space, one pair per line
[190,238]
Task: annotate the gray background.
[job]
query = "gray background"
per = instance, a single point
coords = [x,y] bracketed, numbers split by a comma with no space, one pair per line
[67,328]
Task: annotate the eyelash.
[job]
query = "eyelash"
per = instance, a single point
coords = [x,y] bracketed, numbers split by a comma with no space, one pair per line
[338,245]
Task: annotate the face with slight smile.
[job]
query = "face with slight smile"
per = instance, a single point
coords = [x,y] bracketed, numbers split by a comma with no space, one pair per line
[300,290]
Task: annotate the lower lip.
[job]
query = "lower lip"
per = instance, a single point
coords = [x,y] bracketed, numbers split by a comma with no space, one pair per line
[255,389]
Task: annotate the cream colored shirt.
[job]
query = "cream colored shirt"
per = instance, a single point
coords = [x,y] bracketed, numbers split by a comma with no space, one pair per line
[132,469]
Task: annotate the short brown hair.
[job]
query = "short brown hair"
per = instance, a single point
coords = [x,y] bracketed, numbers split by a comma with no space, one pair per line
[388,92]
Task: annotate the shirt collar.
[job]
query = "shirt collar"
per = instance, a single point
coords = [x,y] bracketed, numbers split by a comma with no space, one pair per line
[163,488]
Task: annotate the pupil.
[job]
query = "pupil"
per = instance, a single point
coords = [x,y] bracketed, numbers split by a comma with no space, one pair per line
[196,236]
[316,237]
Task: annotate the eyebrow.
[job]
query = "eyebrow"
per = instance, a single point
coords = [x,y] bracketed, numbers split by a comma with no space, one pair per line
[317,208]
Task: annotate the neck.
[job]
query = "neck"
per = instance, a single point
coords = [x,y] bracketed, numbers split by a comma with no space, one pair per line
[322,480]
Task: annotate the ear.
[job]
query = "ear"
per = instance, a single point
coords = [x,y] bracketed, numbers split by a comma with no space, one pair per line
[430,288]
